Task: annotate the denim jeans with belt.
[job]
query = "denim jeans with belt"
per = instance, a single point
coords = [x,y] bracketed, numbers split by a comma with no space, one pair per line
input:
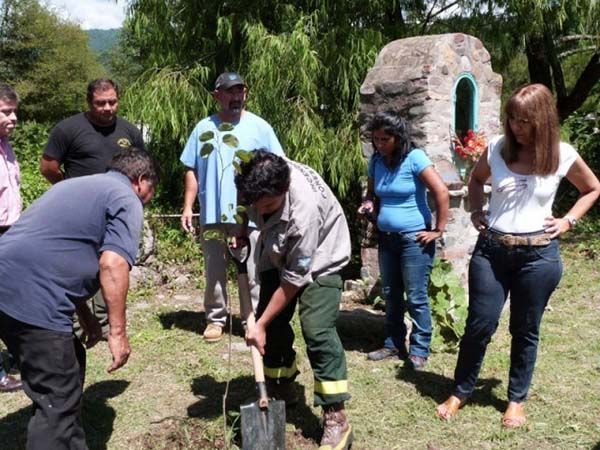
[530,274]
[405,266]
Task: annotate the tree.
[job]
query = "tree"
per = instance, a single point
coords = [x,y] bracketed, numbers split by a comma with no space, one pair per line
[47,60]
[555,42]
[305,60]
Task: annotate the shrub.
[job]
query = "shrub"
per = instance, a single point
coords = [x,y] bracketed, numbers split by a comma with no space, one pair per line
[448,306]
[28,141]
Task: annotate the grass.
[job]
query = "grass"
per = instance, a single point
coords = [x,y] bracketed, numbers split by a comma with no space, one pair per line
[169,395]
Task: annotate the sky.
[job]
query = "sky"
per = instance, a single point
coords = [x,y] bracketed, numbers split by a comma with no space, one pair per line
[101,14]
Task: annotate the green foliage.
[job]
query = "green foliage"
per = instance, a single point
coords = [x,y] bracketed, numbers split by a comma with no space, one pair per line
[47,60]
[175,246]
[448,306]
[28,141]
[582,130]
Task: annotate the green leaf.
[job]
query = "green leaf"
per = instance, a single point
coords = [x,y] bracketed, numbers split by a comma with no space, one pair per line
[236,167]
[240,209]
[206,150]
[224,217]
[238,219]
[207,136]
[213,235]
[243,155]
[230,206]
[225,126]
[231,140]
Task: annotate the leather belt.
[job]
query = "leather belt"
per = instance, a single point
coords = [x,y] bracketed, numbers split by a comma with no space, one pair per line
[510,240]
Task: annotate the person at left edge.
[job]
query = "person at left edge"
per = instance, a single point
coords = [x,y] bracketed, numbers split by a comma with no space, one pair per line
[52,259]
[84,144]
[10,196]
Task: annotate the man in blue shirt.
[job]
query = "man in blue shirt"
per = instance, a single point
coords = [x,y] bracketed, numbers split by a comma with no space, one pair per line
[52,259]
[210,177]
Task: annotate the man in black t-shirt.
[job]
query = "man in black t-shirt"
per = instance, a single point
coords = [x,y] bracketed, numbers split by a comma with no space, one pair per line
[84,144]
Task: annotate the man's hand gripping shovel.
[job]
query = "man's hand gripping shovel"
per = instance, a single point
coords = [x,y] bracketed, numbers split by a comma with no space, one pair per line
[262,421]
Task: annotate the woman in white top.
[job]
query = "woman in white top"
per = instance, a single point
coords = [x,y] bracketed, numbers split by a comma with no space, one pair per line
[517,250]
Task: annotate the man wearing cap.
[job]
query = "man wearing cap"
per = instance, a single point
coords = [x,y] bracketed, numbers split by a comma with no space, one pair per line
[210,178]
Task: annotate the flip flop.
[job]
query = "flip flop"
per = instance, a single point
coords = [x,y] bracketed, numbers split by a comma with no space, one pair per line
[450,407]
[514,416]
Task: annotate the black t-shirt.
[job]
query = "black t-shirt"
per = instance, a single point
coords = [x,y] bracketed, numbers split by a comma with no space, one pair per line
[86,149]
[49,257]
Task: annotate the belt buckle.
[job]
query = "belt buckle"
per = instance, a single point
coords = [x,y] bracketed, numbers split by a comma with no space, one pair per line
[505,239]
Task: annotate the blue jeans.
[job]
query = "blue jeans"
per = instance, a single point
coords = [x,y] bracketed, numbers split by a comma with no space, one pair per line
[405,267]
[530,274]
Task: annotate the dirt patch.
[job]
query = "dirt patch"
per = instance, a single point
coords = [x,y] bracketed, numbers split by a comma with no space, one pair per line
[183,434]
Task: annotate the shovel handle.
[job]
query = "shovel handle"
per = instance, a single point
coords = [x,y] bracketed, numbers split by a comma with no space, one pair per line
[259,371]
[247,314]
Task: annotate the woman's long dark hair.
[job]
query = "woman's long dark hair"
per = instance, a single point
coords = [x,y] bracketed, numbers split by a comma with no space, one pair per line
[394,125]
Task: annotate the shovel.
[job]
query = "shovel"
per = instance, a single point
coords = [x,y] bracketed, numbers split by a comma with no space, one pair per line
[262,421]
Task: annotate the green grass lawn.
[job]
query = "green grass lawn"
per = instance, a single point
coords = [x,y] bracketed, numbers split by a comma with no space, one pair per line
[169,395]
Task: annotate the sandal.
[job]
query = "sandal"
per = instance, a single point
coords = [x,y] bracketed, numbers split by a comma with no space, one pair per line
[450,407]
[514,416]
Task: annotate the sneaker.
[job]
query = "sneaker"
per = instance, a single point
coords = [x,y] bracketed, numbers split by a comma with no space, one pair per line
[10,384]
[288,392]
[416,362]
[337,432]
[382,353]
[213,332]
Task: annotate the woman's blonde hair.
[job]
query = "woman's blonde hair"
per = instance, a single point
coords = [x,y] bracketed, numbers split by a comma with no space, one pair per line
[534,103]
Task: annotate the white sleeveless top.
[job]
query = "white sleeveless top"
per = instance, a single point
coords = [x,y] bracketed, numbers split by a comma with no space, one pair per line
[520,203]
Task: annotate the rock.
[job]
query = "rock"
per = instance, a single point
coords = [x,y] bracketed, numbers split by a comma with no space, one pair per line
[142,276]
[146,248]
[181,280]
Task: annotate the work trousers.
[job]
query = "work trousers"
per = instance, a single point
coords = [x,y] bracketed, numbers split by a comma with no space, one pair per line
[530,274]
[97,306]
[52,366]
[216,258]
[319,304]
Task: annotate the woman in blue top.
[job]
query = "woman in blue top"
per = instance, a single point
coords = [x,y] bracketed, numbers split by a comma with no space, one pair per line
[399,176]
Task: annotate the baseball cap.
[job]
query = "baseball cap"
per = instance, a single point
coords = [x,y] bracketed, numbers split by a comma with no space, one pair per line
[228,79]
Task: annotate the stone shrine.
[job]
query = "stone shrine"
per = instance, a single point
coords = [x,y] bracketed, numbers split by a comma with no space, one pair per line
[444,85]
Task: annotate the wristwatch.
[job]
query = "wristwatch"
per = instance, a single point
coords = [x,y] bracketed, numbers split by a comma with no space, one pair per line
[572,220]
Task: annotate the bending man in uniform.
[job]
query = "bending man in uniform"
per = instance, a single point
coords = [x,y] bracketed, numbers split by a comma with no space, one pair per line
[303,244]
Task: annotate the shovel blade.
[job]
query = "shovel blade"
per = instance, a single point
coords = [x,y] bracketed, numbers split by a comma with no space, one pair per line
[263,429]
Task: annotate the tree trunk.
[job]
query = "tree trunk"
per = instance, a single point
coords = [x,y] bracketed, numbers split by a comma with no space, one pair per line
[586,82]
[537,62]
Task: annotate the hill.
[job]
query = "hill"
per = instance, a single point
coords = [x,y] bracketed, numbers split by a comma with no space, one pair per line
[103,40]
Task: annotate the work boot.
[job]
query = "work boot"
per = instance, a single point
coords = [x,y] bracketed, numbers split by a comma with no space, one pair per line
[288,392]
[213,332]
[9,383]
[337,432]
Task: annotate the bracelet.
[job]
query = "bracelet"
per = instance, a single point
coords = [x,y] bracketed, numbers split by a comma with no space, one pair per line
[437,230]
[572,221]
